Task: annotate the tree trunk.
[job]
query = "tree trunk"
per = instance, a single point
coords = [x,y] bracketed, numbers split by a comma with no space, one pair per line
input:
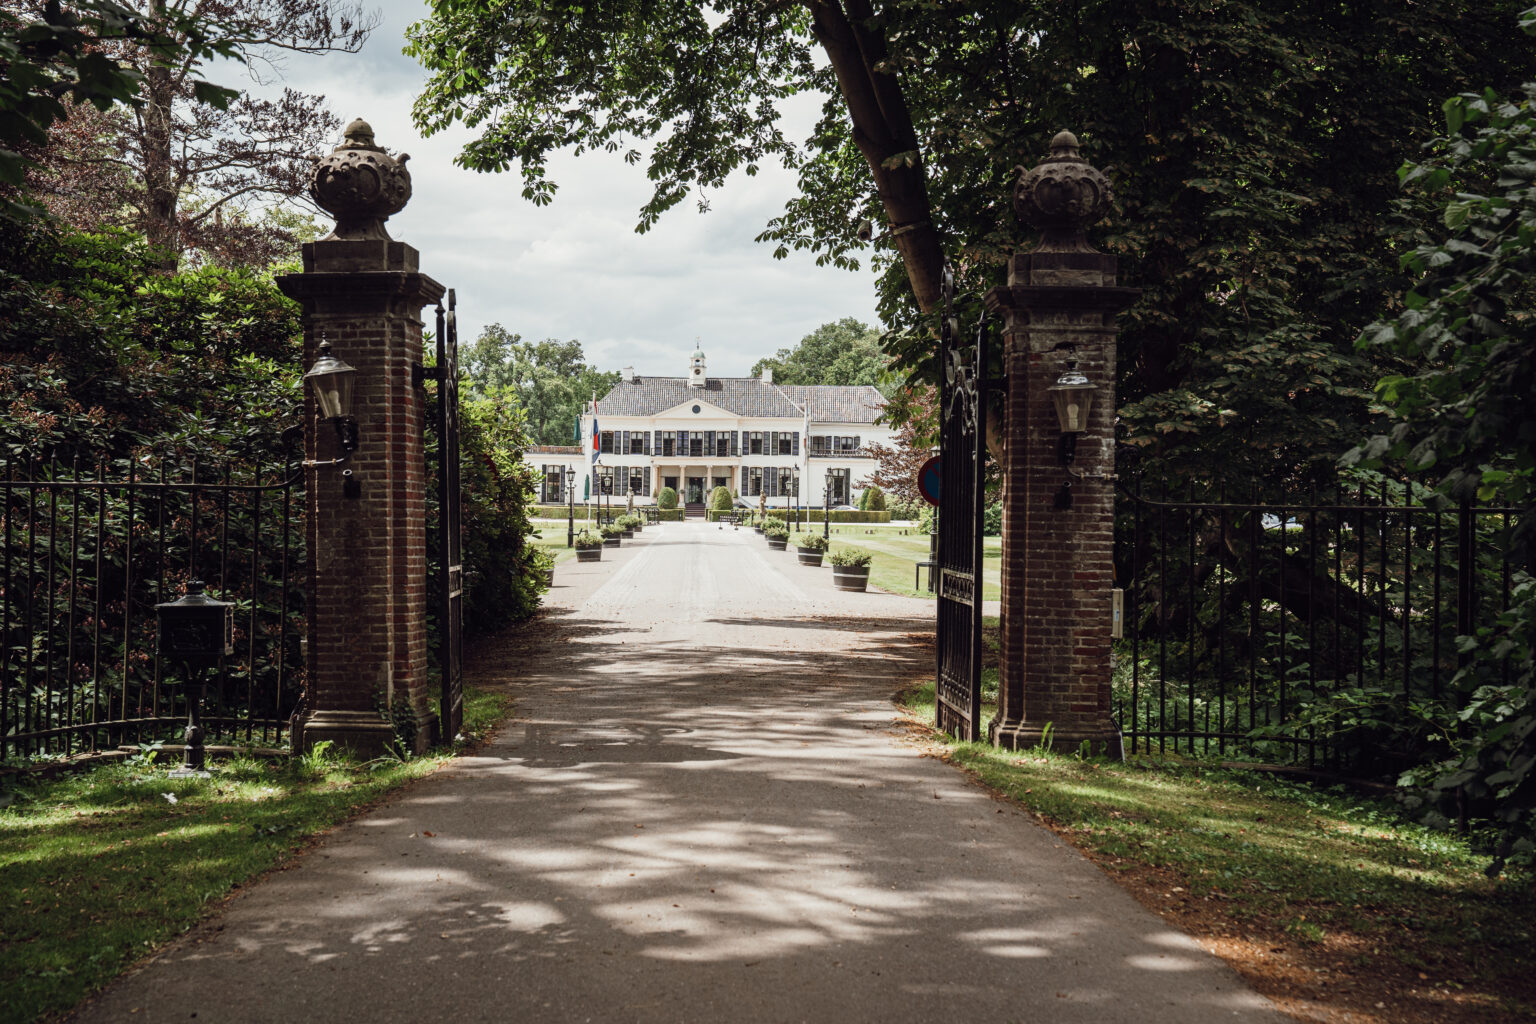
[160,223]
[882,129]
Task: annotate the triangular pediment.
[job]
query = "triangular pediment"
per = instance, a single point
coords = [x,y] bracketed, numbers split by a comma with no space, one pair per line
[707,412]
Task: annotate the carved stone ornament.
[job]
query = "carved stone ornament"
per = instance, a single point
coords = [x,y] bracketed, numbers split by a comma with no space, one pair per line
[1061,197]
[360,185]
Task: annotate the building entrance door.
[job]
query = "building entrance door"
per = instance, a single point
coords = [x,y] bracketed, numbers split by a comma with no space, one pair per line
[695,490]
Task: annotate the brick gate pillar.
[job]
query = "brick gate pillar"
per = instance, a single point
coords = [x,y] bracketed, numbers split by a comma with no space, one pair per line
[362,292]
[1058,308]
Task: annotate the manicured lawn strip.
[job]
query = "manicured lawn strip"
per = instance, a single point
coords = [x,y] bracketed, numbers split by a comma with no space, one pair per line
[97,869]
[896,557]
[552,537]
[1255,860]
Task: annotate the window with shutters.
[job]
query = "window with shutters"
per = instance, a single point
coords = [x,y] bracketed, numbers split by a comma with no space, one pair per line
[637,441]
[636,481]
[755,443]
[754,482]
[696,445]
[787,483]
[605,442]
[723,445]
[667,445]
[782,445]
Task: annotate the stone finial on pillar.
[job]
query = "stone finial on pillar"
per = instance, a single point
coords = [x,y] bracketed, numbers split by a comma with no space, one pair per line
[363,293]
[1058,311]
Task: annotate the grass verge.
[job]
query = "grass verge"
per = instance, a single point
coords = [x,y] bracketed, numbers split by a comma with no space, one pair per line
[102,867]
[1327,902]
[897,550]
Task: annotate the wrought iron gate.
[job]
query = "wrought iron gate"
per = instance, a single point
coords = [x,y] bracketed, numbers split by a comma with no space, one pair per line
[87,551]
[962,404]
[449,582]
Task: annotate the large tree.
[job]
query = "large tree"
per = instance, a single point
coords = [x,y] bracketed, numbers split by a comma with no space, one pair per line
[56,60]
[187,173]
[842,352]
[1252,145]
[549,380]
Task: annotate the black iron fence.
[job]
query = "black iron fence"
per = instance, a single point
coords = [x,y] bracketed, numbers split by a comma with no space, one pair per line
[1308,628]
[87,553]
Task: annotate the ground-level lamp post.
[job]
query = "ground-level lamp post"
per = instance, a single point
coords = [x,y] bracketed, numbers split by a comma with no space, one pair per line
[826,511]
[570,502]
[198,632]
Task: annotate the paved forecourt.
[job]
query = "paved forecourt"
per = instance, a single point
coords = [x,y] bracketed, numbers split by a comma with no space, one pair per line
[703,811]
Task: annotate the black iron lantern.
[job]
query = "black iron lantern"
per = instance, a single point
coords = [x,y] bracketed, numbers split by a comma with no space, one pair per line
[331,380]
[1072,394]
[195,629]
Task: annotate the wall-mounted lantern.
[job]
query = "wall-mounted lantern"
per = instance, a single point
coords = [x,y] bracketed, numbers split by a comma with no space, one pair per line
[1072,395]
[332,381]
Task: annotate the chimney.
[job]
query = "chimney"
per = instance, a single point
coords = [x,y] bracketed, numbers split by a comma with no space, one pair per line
[629,375]
[767,375]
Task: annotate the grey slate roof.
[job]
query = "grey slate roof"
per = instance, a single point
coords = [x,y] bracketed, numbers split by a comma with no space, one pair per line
[744,396]
[835,403]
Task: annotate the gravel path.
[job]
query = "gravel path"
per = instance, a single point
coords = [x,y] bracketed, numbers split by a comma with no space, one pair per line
[702,812]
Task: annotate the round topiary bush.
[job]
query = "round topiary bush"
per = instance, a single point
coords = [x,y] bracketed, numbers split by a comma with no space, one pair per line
[720,499]
[666,498]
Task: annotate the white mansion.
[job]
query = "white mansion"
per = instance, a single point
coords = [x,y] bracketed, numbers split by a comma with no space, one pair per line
[778,443]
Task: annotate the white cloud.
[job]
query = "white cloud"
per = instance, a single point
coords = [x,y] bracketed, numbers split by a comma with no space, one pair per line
[576,269]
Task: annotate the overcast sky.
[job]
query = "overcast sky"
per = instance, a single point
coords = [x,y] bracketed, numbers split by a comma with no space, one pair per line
[576,268]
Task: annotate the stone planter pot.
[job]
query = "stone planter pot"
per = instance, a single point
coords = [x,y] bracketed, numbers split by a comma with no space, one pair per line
[778,543]
[809,557]
[850,577]
[629,534]
[610,542]
[549,577]
[589,554]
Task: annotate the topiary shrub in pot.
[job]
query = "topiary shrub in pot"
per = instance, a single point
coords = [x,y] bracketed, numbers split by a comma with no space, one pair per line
[810,547]
[589,546]
[850,569]
[612,534]
[777,534]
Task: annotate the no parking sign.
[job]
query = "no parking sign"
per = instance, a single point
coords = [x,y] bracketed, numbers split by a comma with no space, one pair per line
[929,480]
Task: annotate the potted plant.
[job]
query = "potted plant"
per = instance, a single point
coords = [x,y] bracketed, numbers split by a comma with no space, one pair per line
[777,534]
[544,565]
[811,547]
[626,524]
[589,546]
[612,534]
[850,569]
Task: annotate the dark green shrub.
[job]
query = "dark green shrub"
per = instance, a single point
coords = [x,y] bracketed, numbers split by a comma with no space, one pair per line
[666,499]
[720,499]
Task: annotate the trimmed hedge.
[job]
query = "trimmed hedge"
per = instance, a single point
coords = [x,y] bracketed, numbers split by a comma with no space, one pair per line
[808,515]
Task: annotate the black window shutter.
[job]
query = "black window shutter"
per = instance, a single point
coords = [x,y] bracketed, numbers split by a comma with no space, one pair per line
[795,443]
[855,442]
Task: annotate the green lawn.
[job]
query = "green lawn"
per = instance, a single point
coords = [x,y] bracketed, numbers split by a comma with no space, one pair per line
[551,537]
[897,550]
